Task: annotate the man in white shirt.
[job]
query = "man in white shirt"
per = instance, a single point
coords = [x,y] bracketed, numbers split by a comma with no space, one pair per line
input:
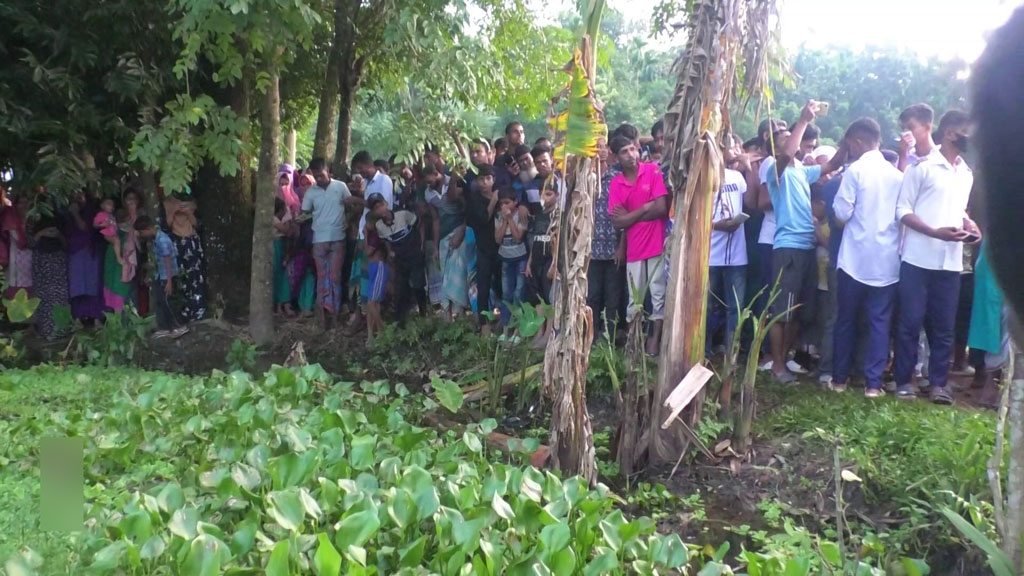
[932,208]
[869,261]
[727,272]
[377,182]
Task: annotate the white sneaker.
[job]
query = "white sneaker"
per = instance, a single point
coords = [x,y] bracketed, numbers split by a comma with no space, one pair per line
[795,368]
[766,366]
[825,380]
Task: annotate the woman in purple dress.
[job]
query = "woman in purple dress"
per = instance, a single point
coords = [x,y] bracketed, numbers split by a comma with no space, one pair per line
[85,259]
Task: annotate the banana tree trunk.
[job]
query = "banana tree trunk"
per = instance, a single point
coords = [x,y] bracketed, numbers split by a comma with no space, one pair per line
[692,124]
[568,355]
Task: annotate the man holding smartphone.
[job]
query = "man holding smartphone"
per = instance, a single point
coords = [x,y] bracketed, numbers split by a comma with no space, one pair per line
[932,208]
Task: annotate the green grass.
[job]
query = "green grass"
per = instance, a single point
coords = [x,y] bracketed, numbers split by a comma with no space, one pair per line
[913,457]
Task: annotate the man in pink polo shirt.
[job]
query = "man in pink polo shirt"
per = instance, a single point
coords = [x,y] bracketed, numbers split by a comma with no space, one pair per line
[638,204]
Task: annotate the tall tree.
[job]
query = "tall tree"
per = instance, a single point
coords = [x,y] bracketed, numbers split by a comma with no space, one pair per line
[231,35]
[568,354]
[721,33]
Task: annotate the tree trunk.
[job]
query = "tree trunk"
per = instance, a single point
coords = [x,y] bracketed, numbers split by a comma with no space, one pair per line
[261,318]
[291,143]
[692,122]
[351,76]
[226,213]
[568,354]
[324,141]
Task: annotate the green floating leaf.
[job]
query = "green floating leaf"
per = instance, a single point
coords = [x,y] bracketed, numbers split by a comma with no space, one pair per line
[285,508]
[502,508]
[327,561]
[356,529]
[277,565]
[206,555]
[448,393]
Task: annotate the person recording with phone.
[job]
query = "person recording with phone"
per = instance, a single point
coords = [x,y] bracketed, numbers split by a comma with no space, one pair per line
[932,208]
[794,261]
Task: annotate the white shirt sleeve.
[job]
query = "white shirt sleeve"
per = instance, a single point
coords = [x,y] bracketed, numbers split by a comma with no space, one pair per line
[846,197]
[908,192]
[387,189]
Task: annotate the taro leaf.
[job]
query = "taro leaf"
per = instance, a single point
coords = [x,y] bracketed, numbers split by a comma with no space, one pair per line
[488,425]
[278,563]
[472,442]
[605,562]
[531,488]
[109,556]
[468,530]
[244,538]
[502,508]
[205,556]
[610,528]
[21,307]
[830,550]
[356,529]
[183,523]
[285,507]
[298,439]
[420,484]
[138,525]
[555,537]
[673,552]
[153,548]
[448,393]
[309,504]
[170,498]
[562,562]
[245,476]
[914,567]
[361,457]
[292,469]
[799,566]
[402,508]
[327,560]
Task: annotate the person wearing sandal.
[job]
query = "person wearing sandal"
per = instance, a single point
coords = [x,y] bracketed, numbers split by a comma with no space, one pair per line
[869,261]
[932,208]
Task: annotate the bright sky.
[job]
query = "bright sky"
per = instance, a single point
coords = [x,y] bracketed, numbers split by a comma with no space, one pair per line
[944,28]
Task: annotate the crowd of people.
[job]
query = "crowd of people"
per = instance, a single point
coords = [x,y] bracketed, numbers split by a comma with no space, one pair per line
[876,263]
[90,256]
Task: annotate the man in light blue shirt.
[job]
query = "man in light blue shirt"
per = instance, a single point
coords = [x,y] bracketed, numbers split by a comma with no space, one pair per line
[794,265]
[326,202]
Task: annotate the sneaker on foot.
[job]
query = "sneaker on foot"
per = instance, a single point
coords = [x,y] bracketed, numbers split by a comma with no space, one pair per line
[837,387]
[873,392]
[766,366]
[795,367]
[825,380]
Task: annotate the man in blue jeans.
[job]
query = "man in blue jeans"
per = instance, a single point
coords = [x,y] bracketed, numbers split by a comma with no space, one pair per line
[869,261]
[932,208]
[727,272]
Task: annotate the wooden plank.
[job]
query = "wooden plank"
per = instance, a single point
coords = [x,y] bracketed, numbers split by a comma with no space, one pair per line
[684,393]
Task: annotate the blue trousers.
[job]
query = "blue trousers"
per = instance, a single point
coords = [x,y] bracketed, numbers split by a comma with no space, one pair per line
[725,284]
[875,305]
[928,298]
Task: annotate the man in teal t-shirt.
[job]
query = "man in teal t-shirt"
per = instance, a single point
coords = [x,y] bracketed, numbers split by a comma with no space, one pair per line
[793,260]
